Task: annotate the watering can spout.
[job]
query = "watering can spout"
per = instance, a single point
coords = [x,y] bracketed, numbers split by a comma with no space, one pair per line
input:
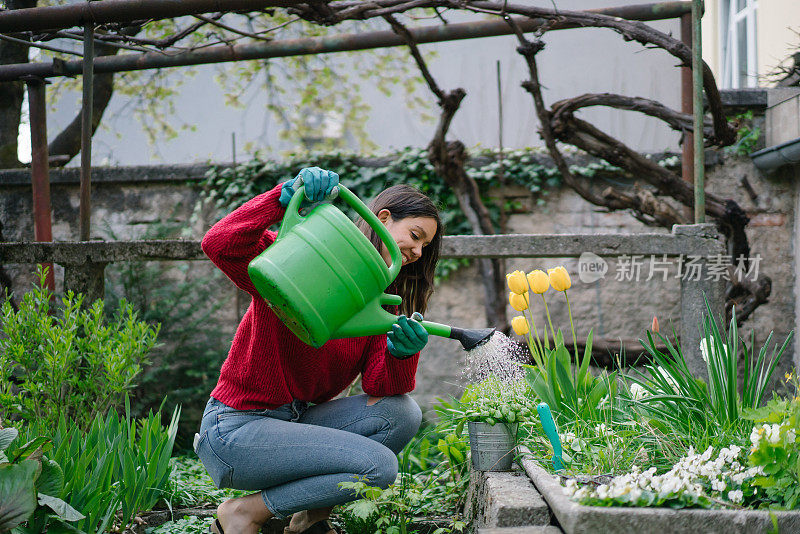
[371,319]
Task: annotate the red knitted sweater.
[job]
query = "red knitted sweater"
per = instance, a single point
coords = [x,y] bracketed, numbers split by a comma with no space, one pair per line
[267,365]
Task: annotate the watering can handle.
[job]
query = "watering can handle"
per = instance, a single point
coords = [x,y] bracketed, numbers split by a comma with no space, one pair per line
[293,217]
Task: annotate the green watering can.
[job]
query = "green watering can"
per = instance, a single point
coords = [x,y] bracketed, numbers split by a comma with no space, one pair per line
[325,280]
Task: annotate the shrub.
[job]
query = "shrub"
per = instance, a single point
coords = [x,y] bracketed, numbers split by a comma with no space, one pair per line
[59,360]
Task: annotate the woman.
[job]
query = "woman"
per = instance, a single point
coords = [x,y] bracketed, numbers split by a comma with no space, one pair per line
[270,425]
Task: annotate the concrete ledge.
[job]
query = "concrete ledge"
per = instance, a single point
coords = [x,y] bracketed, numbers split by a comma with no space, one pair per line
[681,242]
[578,519]
[755,98]
[100,175]
[84,252]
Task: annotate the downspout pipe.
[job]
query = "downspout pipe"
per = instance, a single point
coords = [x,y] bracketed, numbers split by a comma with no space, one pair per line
[771,158]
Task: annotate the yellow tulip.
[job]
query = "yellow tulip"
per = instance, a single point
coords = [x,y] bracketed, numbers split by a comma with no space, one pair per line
[516,282]
[559,278]
[518,302]
[538,281]
[520,325]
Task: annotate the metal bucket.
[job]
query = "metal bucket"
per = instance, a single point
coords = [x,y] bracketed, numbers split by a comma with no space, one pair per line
[493,447]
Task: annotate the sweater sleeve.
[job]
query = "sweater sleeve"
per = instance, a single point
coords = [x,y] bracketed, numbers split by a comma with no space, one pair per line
[242,235]
[385,375]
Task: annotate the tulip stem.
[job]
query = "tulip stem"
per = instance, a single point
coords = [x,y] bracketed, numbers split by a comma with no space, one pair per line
[574,341]
[552,330]
[535,344]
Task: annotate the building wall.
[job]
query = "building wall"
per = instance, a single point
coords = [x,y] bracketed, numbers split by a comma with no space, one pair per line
[777,24]
[136,199]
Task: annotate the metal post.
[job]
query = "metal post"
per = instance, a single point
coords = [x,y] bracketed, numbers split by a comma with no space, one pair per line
[687,161]
[40,171]
[86,132]
[697,81]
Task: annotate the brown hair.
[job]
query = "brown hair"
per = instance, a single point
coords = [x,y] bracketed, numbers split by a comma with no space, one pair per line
[415,281]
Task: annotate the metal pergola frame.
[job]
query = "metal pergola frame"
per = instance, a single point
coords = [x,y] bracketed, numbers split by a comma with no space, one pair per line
[90,14]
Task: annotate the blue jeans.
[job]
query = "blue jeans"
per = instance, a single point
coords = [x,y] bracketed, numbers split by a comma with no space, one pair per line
[297,454]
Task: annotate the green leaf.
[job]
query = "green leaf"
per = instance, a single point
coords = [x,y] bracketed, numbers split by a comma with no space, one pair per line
[17,492]
[587,356]
[62,509]
[363,509]
[7,435]
[51,481]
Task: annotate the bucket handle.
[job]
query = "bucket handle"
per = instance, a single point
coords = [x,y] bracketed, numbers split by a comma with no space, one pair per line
[293,218]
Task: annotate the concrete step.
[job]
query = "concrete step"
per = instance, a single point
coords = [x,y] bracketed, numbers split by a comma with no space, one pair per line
[506,499]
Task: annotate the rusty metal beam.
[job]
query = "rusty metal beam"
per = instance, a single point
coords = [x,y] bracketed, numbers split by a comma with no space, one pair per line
[40,170]
[328,44]
[687,158]
[120,11]
[87,104]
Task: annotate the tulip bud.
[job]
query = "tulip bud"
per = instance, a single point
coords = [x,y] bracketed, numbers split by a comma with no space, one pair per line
[538,281]
[654,326]
[520,325]
[518,302]
[516,282]
[559,278]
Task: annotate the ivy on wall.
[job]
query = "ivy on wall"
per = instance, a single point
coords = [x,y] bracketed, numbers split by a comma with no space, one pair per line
[227,187]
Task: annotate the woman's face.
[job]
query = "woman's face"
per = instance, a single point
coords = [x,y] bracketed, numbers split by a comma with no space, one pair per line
[410,234]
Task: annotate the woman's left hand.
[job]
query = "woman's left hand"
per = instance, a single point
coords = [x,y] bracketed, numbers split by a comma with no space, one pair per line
[407,337]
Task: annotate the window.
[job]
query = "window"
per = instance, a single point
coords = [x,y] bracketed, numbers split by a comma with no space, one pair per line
[738,42]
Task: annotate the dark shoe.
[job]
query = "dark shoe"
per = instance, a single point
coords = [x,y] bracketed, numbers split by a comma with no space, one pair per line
[216,527]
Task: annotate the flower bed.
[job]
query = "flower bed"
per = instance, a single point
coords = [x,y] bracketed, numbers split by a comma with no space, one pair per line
[660,418]
[575,518]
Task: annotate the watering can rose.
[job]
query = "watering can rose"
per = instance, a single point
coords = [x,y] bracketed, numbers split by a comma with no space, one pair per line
[538,281]
[559,278]
[520,325]
[518,302]
[516,282]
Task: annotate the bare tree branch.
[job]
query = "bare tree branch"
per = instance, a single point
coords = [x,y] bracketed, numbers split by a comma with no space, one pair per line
[449,158]
[630,31]
[681,122]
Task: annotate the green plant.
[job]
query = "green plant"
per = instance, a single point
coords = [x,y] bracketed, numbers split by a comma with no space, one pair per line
[185,525]
[60,360]
[747,135]
[383,511]
[191,485]
[775,450]
[119,464]
[679,402]
[29,486]
[572,392]
[493,401]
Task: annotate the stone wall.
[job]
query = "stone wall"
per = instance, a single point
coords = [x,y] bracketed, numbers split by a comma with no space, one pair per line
[129,202]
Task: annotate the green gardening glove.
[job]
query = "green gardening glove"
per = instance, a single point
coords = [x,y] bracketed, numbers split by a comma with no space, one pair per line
[319,185]
[407,337]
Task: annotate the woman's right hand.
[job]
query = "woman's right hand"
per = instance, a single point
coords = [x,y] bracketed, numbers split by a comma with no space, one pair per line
[319,184]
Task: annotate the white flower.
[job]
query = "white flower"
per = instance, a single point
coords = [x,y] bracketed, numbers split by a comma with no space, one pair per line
[638,392]
[755,436]
[668,378]
[773,433]
[707,342]
[601,429]
[736,496]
